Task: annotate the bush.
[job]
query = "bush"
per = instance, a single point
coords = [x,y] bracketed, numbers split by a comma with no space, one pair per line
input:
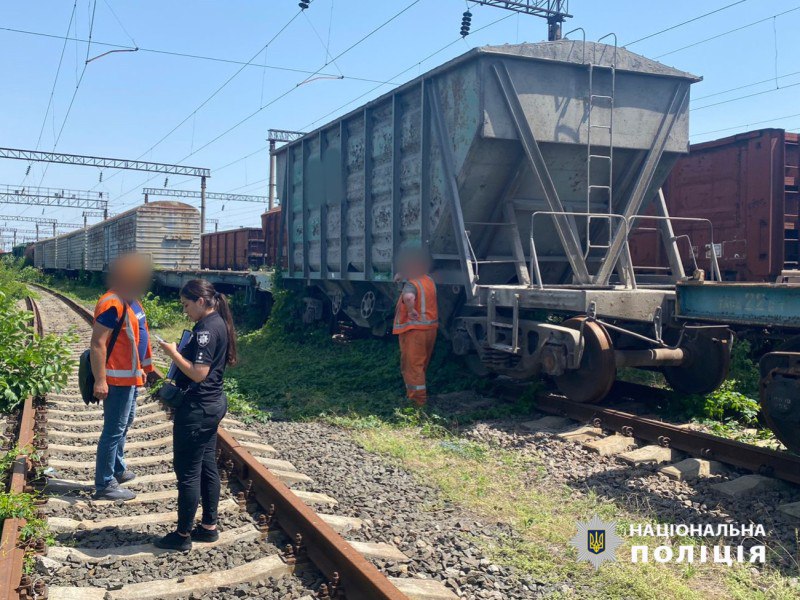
[241,404]
[736,400]
[160,312]
[29,366]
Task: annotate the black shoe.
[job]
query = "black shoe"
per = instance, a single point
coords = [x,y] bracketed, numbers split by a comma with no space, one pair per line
[174,541]
[201,534]
[113,492]
[125,477]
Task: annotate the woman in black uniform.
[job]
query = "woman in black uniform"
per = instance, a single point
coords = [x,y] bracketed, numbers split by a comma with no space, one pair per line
[201,366]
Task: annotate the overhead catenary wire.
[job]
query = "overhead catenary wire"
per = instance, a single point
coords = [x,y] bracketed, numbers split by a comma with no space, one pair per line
[55,81]
[74,94]
[215,92]
[180,54]
[746,85]
[692,20]
[401,73]
[368,92]
[730,31]
[289,90]
[743,125]
[754,94]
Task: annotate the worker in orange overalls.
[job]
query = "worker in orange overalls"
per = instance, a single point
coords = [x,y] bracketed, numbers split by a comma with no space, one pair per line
[416,321]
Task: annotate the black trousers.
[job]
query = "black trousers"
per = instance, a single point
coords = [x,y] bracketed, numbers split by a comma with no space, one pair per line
[194,445]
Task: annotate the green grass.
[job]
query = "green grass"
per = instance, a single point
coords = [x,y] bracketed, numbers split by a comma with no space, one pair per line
[509,488]
[313,375]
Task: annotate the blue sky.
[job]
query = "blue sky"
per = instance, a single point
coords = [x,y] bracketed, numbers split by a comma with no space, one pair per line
[127,102]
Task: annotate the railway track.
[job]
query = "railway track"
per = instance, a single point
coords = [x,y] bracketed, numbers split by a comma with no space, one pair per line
[636,439]
[273,543]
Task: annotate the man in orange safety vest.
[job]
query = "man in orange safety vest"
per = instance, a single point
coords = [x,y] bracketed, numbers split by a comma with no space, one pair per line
[120,326]
[416,321]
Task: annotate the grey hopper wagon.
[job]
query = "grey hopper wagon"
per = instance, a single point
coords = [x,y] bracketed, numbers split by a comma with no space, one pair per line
[522,168]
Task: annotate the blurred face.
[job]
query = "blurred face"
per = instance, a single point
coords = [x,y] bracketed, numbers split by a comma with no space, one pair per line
[413,264]
[130,276]
[194,309]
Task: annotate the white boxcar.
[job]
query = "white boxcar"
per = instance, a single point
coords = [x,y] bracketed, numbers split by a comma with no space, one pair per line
[168,232]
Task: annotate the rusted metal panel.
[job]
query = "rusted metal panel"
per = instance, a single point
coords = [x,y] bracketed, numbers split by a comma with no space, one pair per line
[271,223]
[747,186]
[235,249]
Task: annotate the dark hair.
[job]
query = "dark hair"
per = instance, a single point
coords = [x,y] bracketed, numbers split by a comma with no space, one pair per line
[200,288]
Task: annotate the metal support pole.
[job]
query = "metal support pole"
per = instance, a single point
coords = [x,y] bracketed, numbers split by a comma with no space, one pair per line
[54,230]
[105,213]
[15,238]
[272,180]
[203,203]
[146,198]
[37,232]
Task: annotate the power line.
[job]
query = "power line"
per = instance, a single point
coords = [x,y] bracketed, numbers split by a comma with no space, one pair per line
[288,91]
[180,54]
[786,87]
[747,85]
[724,33]
[217,91]
[308,126]
[55,81]
[749,124]
[403,72]
[120,23]
[74,94]
[692,20]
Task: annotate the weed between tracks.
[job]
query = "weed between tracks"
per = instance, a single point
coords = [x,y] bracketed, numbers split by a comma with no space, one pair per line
[22,506]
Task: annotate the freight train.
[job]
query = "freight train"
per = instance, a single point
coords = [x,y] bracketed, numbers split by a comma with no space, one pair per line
[525,170]
[522,169]
[169,232]
[745,190]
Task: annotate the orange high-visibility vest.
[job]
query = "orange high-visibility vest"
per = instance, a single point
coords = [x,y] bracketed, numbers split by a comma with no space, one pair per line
[123,367]
[425,305]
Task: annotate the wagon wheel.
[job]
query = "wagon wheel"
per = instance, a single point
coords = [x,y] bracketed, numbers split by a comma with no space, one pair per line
[336,303]
[704,368]
[780,403]
[598,370]
[367,304]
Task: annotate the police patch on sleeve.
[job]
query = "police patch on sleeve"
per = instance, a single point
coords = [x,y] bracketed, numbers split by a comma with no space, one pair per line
[203,337]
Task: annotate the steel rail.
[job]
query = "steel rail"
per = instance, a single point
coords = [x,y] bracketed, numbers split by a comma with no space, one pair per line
[764,461]
[353,575]
[12,556]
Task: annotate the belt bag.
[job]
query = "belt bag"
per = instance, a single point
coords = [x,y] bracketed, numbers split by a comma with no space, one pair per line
[170,394]
[85,375]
